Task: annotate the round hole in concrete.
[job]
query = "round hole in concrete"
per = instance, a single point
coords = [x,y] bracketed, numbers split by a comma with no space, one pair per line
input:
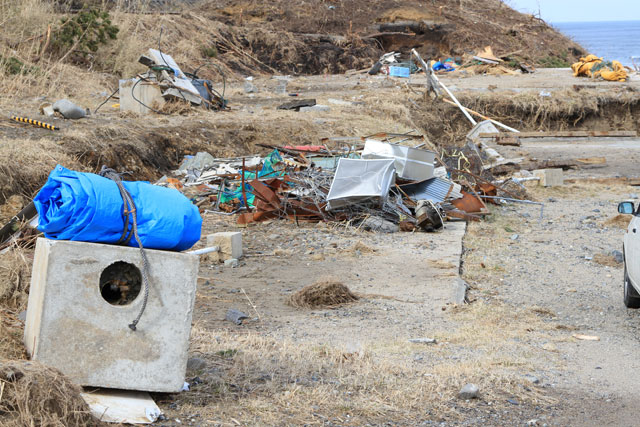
[120,283]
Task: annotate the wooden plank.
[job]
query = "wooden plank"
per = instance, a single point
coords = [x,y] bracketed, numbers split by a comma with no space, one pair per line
[514,142]
[564,134]
[593,160]
[531,165]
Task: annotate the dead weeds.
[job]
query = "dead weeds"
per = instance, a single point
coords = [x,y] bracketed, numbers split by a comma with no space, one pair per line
[606,260]
[11,331]
[260,380]
[618,221]
[325,293]
[15,275]
[359,248]
[35,395]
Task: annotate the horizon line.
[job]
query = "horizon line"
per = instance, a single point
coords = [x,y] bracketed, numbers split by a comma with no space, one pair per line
[583,22]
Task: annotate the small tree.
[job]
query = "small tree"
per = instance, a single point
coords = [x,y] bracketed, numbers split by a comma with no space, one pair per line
[83,34]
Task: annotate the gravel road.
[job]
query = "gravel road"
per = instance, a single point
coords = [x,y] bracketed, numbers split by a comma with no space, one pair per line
[557,265]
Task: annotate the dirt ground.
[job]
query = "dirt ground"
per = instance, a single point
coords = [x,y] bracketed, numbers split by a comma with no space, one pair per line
[530,295]
[563,265]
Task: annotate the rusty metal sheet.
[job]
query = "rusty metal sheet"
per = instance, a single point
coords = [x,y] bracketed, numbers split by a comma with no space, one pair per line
[250,217]
[266,194]
[462,215]
[469,203]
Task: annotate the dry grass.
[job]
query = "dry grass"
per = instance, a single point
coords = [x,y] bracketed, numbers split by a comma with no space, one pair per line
[359,248]
[324,293]
[618,221]
[177,107]
[260,380]
[440,264]
[606,260]
[15,274]
[11,329]
[527,111]
[36,158]
[12,207]
[34,395]
[496,327]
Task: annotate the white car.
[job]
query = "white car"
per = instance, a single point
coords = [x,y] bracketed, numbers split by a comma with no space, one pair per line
[631,251]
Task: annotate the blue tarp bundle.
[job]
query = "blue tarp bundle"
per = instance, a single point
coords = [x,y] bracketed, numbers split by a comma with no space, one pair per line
[89,208]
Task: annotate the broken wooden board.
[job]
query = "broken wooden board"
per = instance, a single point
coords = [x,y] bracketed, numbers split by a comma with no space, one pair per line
[586,337]
[122,406]
[501,169]
[505,162]
[509,141]
[593,160]
[563,134]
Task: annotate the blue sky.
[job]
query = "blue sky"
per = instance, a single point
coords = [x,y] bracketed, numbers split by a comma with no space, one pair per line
[580,10]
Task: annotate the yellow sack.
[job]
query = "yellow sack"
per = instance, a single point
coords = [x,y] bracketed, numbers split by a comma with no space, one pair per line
[583,68]
[615,73]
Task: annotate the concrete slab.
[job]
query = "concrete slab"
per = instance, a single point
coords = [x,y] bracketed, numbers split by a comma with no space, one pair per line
[315,108]
[550,177]
[622,154]
[77,320]
[408,281]
[230,244]
[149,94]
[460,288]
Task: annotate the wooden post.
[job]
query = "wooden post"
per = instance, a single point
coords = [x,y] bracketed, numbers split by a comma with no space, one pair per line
[244,190]
[427,70]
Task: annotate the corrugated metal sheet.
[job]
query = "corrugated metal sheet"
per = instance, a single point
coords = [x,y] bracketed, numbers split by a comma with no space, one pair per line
[435,189]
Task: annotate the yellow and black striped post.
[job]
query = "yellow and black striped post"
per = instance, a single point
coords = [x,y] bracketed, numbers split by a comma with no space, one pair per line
[35,123]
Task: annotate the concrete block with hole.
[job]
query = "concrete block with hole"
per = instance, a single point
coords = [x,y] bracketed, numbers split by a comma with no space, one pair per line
[230,243]
[550,177]
[83,297]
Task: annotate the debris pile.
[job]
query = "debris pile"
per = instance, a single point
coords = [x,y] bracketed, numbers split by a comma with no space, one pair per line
[483,62]
[383,182]
[165,83]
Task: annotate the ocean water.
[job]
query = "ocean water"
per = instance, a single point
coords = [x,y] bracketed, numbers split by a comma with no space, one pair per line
[618,40]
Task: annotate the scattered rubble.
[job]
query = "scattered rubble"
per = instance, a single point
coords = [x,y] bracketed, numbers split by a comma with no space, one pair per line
[165,82]
[69,110]
[423,340]
[235,316]
[469,391]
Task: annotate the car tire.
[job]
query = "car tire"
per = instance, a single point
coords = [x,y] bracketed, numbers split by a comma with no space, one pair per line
[631,296]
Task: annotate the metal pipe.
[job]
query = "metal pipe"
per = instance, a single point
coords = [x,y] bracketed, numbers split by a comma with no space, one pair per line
[205,250]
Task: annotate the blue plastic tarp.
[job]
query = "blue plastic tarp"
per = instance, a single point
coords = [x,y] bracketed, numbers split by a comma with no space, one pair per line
[89,208]
[444,66]
[268,170]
